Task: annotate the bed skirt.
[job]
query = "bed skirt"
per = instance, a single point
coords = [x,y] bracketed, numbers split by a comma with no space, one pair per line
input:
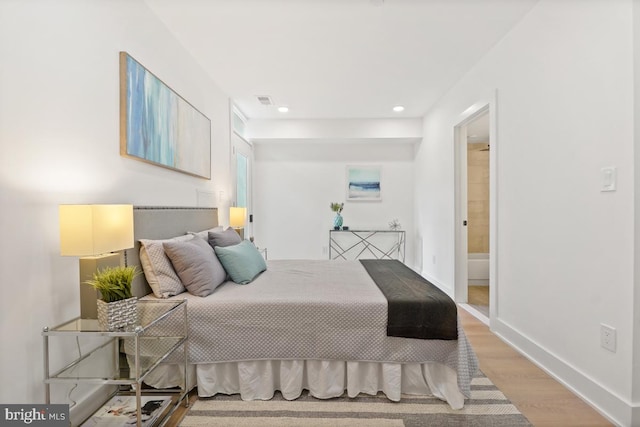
[258,380]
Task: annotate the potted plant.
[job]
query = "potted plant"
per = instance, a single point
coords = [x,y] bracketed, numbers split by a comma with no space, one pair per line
[117,306]
[337,221]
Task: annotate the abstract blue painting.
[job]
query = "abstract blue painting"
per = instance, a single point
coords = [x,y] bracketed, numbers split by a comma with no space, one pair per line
[363,183]
[158,126]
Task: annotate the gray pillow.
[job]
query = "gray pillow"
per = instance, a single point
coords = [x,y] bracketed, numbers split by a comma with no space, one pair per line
[197,265]
[205,234]
[243,262]
[223,238]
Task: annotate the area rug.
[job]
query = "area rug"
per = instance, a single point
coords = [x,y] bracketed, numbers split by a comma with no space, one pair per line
[487,407]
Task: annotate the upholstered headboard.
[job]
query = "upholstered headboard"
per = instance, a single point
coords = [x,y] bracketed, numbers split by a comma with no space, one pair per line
[164,222]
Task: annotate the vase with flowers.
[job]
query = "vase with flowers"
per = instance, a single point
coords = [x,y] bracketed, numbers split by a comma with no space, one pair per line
[337,221]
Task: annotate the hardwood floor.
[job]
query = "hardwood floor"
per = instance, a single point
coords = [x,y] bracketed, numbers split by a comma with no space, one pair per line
[478,298]
[181,411]
[478,295]
[541,399]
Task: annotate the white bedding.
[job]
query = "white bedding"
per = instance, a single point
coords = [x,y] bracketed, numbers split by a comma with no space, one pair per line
[303,321]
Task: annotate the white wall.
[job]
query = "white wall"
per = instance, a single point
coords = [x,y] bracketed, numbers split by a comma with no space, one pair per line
[59,133]
[564,82]
[296,182]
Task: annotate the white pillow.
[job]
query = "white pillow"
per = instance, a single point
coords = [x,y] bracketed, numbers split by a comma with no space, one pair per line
[158,269]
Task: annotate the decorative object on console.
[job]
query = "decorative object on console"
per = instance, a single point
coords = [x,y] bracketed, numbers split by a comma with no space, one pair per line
[117,306]
[237,217]
[94,233]
[158,126]
[337,208]
[394,224]
[363,183]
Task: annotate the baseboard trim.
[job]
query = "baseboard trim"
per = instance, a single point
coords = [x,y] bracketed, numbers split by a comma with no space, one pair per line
[475,313]
[92,399]
[446,289]
[613,407]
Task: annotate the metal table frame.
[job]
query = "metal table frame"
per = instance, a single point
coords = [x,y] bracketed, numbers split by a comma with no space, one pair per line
[365,245]
[76,328]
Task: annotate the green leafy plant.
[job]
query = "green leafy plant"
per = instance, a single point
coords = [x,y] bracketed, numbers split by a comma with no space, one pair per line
[337,207]
[114,283]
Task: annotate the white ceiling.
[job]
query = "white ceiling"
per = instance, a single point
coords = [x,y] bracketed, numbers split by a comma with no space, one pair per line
[338,58]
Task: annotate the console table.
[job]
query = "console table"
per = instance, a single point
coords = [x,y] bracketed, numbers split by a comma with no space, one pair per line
[361,244]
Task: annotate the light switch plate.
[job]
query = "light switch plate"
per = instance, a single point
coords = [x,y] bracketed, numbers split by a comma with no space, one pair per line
[608,179]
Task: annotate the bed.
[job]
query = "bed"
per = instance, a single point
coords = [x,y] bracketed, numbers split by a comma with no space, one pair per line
[318,325]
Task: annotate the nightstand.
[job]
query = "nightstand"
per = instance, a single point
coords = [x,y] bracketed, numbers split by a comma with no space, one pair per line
[162,328]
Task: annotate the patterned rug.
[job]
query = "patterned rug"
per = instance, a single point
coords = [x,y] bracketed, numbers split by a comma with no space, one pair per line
[487,407]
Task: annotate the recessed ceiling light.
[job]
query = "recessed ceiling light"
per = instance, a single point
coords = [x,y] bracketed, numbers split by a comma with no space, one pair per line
[283,109]
[398,108]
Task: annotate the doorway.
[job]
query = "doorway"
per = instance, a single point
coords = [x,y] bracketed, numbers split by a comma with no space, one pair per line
[475,209]
[241,167]
[478,210]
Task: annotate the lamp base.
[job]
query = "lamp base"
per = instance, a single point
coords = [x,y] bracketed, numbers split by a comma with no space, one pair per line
[240,231]
[88,295]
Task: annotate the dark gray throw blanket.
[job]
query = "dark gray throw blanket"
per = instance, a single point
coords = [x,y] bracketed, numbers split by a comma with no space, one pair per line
[416,307]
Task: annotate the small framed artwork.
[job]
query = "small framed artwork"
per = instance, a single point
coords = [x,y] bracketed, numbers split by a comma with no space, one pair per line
[160,127]
[364,183]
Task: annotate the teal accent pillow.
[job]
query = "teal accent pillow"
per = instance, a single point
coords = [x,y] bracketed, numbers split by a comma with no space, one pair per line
[242,262]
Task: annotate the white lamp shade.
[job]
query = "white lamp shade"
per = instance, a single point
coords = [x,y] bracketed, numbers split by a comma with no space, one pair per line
[95,229]
[237,216]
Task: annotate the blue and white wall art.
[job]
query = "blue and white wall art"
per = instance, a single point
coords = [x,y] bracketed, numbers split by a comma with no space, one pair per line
[363,183]
[158,126]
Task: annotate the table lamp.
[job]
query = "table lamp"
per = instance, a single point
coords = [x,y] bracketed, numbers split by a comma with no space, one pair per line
[94,233]
[237,219]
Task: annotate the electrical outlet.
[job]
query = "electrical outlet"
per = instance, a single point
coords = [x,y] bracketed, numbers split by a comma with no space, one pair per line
[608,337]
[325,250]
[433,259]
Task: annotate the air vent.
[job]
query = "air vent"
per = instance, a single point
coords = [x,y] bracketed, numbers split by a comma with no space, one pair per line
[264,100]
